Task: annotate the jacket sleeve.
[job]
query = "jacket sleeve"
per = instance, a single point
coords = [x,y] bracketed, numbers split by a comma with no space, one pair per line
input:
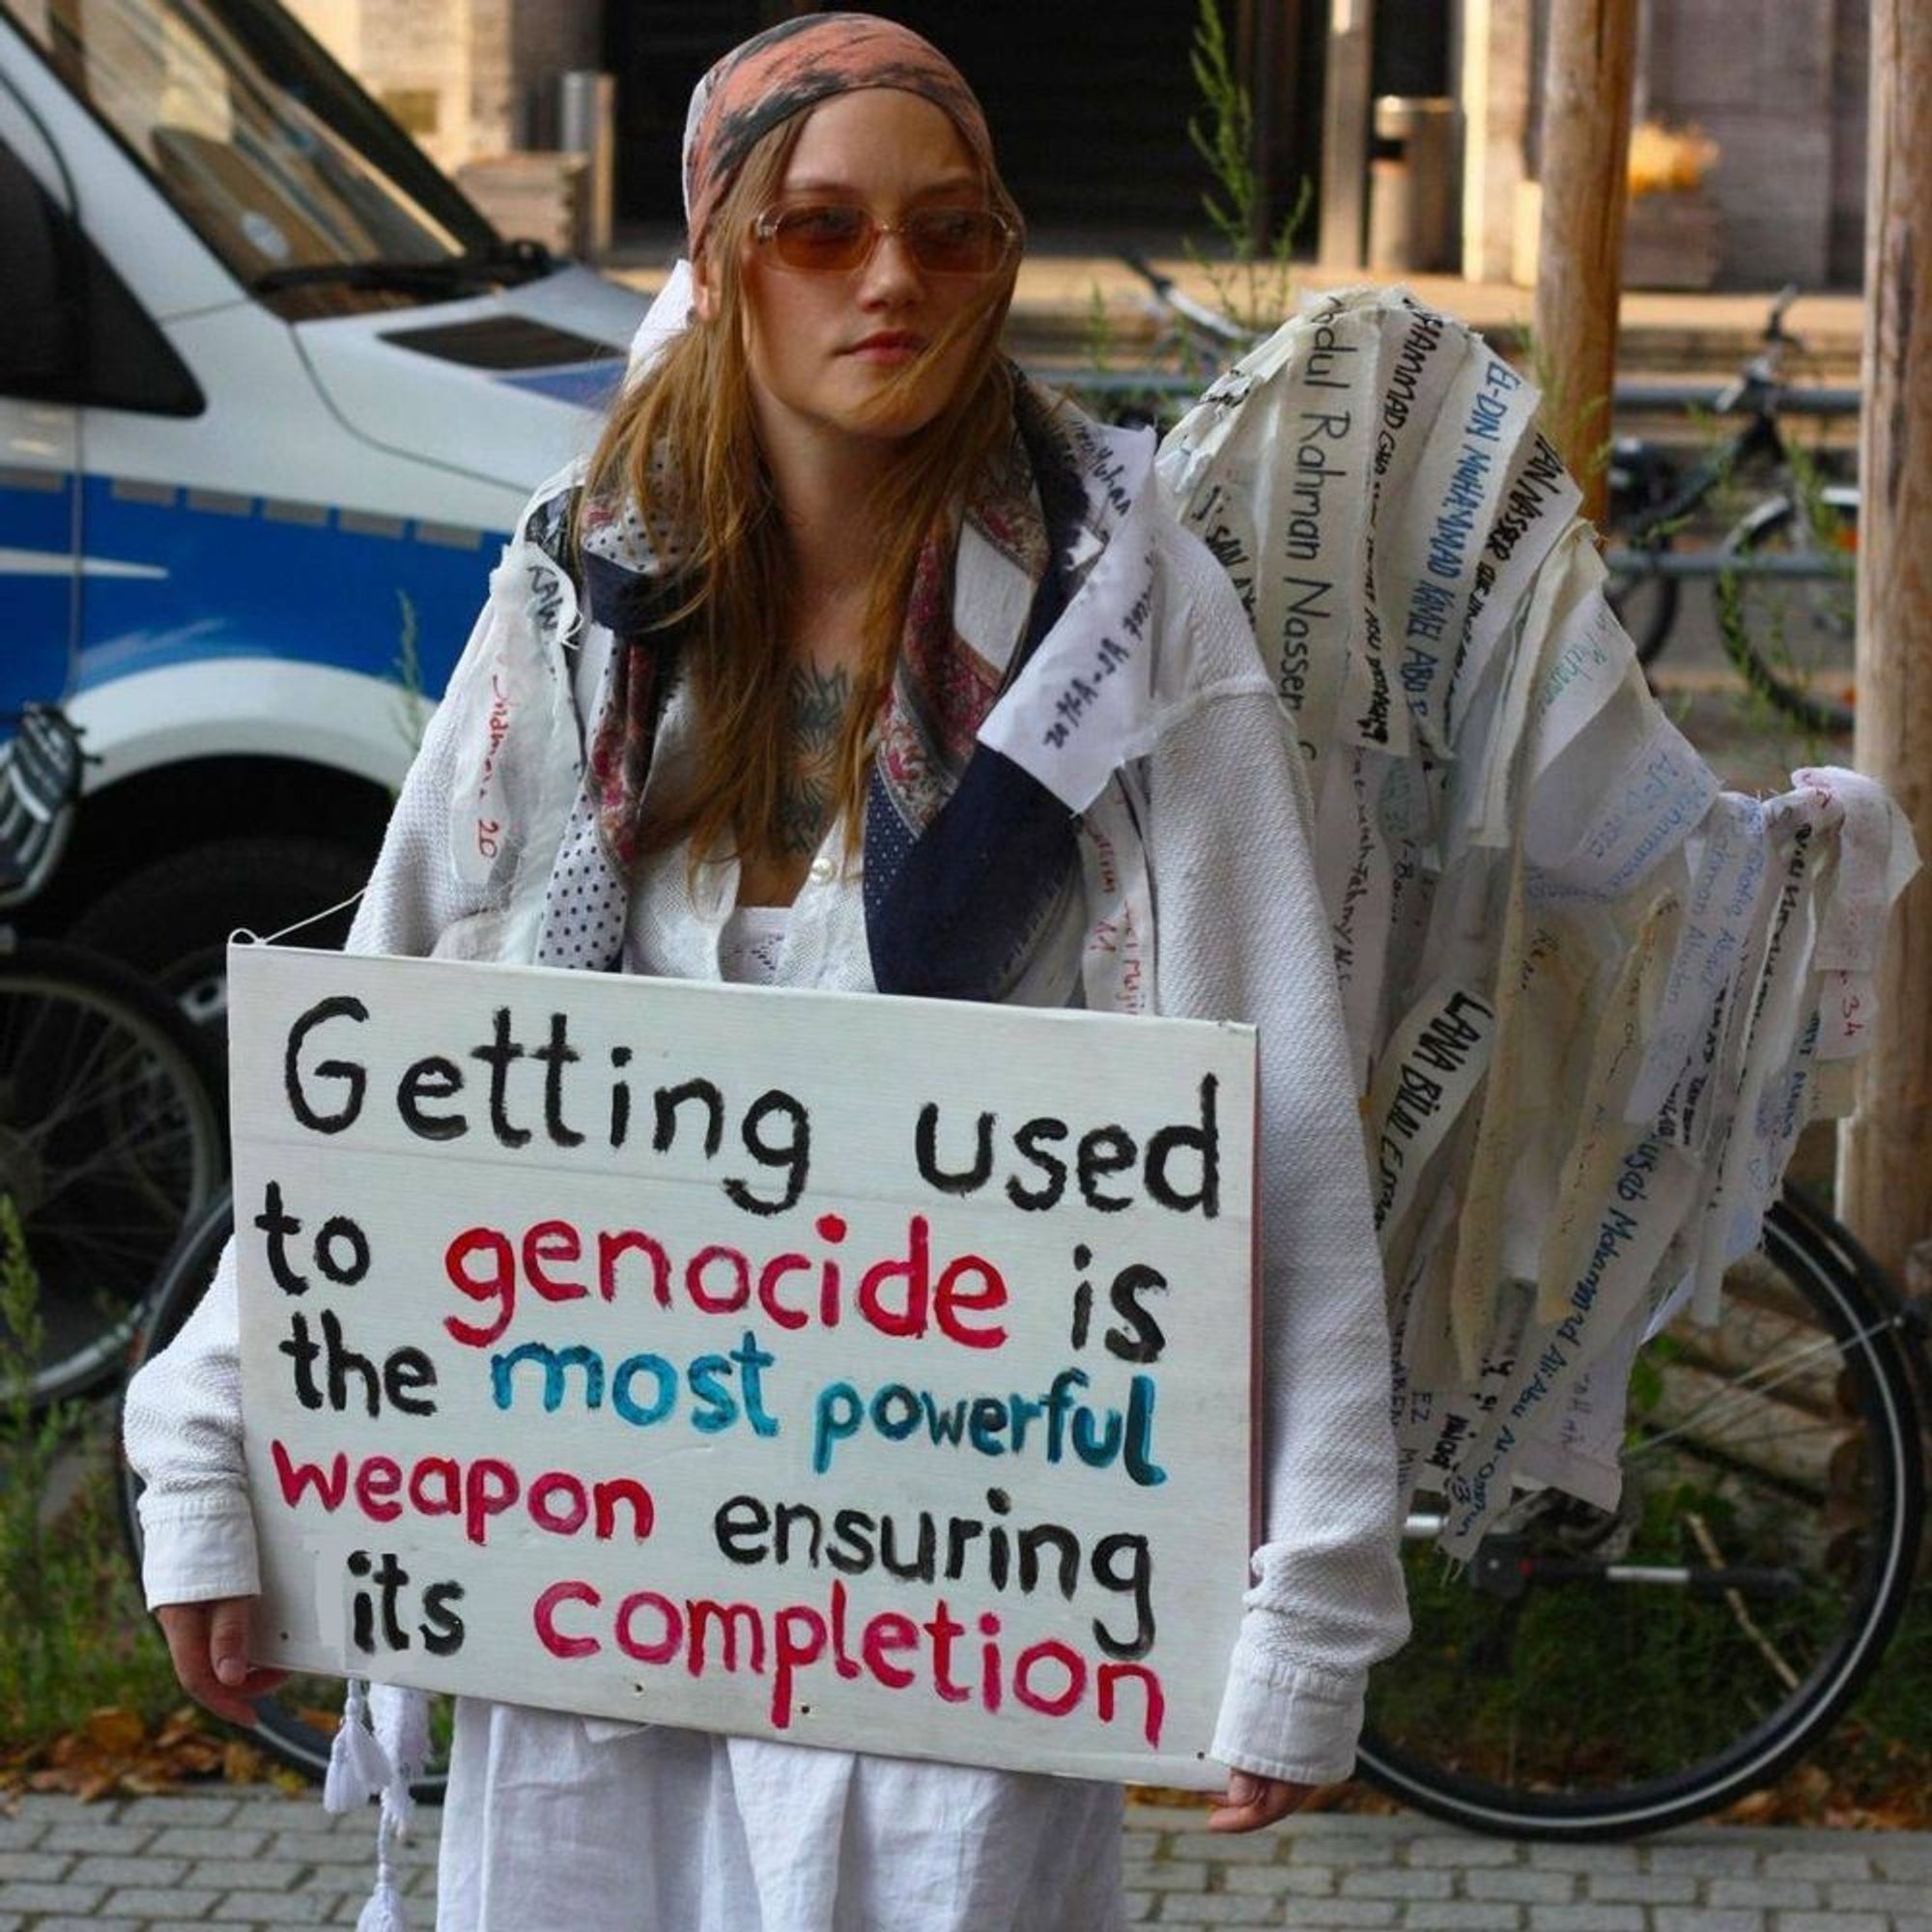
[182,1416]
[1240,935]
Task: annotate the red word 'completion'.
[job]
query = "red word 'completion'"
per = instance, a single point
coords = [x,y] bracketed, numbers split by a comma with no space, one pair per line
[1049,1677]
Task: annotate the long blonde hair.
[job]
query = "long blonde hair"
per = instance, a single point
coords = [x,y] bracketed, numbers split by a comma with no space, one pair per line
[682,445]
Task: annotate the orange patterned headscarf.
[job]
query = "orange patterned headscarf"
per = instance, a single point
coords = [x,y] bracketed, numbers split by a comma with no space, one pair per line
[791,68]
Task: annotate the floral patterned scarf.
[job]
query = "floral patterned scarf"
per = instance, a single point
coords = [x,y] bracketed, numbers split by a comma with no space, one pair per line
[965,854]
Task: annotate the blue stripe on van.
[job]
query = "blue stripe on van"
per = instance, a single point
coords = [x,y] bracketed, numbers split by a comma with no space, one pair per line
[36,519]
[589,385]
[250,576]
[37,594]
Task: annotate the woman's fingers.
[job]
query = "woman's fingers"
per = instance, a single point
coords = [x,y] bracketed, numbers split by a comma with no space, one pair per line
[207,1644]
[228,1641]
[228,1649]
[1253,1803]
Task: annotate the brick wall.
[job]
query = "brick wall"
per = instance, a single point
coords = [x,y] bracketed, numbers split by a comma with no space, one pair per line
[495,121]
[517,50]
[337,23]
[468,77]
[1851,109]
[1769,80]
[549,38]
[414,55]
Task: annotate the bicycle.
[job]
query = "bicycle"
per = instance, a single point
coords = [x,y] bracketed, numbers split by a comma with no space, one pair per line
[1802,533]
[1602,1674]
[111,1124]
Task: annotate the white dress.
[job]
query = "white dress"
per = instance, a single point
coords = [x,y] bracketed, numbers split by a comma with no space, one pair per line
[676,1830]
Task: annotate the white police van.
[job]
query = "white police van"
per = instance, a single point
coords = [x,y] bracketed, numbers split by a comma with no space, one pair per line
[271,392]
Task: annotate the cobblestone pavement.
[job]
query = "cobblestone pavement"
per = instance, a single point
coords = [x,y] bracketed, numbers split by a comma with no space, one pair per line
[266,1860]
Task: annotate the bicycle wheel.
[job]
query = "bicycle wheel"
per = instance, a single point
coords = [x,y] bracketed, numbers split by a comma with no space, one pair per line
[1643,480]
[296,1723]
[1598,1675]
[1645,604]
[1793,637]
[111,1136]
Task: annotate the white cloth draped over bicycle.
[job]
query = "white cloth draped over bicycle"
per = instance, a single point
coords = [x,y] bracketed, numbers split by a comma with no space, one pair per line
[1592,998]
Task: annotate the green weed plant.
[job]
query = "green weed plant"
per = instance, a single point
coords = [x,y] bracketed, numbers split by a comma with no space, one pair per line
[73,1636]
[1256,287]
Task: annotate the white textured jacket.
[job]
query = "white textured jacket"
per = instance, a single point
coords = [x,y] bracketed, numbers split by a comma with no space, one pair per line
[1196,869]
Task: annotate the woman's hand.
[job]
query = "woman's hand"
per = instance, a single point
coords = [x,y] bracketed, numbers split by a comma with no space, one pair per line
[1255,1801]
[209,1644]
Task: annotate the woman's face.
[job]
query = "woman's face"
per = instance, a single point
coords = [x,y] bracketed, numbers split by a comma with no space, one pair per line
[825,348]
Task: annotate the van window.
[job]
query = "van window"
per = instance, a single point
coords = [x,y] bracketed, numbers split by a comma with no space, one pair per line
[36,320]
[269,151]
[70,331]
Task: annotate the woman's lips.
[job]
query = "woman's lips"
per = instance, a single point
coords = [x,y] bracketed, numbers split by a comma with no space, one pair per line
[891,346]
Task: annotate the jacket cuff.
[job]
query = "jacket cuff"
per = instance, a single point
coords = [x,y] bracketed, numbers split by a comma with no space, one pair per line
[195,1554]
[1284,1720]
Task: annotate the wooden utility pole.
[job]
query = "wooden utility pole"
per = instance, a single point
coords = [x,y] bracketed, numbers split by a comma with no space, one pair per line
[1885,1150]
[1345,137]
[1586,120]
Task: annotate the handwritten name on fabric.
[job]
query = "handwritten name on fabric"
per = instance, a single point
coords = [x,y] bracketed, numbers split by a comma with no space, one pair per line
[1710,952]
[1435,1062]
[1088,698]
[1538,506]
[1273,469]
[856,1370]
[497,688]
[1460,483]
[1873,869]
[1655,1186]
[1116,959]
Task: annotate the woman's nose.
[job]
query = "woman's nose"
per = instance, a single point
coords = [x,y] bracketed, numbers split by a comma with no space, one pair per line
[889,273]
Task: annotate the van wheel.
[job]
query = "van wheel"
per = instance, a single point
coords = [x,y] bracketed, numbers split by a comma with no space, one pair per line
[172,919]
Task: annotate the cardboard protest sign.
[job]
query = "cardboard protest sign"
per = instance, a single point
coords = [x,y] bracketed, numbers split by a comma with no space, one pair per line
[859,1371]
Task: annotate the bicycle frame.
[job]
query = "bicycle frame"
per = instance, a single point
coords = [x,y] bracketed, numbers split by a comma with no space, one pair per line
[1759,437]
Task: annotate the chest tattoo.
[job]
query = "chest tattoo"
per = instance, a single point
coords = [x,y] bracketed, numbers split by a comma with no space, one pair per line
[818,704]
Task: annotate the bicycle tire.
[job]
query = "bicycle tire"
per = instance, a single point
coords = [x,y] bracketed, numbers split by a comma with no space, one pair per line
[289,1724]
[1643,482]
[1758,636]
[1645,604]
[112,1135]
[1473,1724]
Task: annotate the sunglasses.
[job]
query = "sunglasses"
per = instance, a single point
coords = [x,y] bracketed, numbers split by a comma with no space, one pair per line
[835,237]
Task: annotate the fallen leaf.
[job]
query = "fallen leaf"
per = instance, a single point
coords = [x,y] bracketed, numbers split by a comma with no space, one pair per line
[141,1785]
[115,1729]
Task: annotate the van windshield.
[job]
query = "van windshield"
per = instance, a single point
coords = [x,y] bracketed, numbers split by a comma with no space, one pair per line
[273,154]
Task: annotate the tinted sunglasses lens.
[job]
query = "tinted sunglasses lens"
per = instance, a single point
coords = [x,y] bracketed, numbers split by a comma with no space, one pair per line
[836,238]
[956,240]
[826,239]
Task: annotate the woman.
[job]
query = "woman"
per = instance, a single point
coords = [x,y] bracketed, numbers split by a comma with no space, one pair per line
[822,603]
